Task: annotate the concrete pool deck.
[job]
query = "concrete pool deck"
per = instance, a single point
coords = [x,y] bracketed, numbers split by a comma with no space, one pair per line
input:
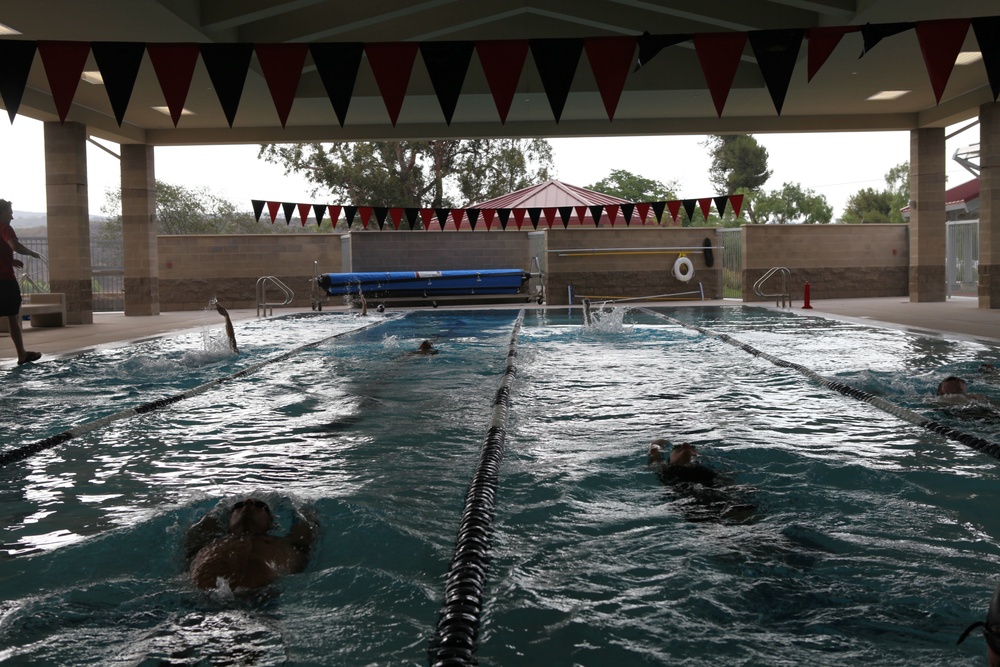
[958,317]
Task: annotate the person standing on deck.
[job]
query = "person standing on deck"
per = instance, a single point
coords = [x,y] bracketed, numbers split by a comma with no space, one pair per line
[10,291]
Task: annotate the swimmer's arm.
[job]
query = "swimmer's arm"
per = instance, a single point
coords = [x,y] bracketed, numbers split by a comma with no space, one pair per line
[302,534]
[201,533]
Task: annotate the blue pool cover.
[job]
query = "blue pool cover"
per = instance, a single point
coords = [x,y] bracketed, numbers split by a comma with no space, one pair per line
[424,283]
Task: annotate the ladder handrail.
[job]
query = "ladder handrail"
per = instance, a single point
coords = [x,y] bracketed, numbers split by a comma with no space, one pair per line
[262,301]
[785,279]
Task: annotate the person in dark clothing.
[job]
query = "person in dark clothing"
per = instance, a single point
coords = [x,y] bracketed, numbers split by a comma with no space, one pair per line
[699,489]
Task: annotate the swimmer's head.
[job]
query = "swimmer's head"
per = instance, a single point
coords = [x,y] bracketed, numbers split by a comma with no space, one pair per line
[683,454]
[250,516]
[380,308]
[951,385]
[991,629]
[656,450]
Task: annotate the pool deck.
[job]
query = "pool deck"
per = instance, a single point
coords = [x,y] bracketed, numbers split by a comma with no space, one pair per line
[959,317]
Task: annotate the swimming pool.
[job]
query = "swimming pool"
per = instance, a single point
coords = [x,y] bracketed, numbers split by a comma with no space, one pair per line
[873,541]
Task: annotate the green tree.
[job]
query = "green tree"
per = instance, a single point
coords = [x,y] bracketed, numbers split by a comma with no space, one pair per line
[792,205]
[625,184]
[738,161]
[881,206]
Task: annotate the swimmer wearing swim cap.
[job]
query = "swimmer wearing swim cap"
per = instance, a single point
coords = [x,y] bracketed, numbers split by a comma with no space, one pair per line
[991,630]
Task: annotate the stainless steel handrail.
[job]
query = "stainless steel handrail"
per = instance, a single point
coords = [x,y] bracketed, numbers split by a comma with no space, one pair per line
[758,287]
[262,302]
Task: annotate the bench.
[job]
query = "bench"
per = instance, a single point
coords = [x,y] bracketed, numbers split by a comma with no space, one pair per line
[44,310]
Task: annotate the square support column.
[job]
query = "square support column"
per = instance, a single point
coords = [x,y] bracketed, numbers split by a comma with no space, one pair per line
[142,286]
[989,206]
[68,213]
[927,215]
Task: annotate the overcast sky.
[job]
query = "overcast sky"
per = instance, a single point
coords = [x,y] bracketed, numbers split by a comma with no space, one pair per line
[832,164]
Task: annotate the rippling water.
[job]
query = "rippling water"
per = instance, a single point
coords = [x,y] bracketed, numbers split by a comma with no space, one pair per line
[872,541]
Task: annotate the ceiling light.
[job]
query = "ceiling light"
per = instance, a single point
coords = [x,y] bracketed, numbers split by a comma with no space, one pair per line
[93,77]
[166,111]
[7,30]
[883,95]
[968,57]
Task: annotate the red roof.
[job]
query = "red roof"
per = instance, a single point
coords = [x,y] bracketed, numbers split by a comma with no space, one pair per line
[956,197]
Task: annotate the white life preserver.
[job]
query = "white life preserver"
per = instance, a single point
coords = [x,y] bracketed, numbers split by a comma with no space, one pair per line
[683,269]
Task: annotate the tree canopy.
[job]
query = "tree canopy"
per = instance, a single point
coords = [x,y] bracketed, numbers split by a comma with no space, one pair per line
[792,205]
[625,184]
[881,206]
[738,163]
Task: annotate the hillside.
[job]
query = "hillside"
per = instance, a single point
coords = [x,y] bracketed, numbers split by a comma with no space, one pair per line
[30,224]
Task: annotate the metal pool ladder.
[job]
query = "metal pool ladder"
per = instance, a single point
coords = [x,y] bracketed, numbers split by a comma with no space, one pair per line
[784,276]
[262,303]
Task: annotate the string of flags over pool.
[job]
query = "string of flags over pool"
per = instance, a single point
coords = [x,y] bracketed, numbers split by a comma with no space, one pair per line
[443,219]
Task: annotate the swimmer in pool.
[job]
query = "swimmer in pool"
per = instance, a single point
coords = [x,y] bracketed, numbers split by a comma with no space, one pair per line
[954,390]
[697,486]
[991,630]
[229,328]
[425,348]
[245,555]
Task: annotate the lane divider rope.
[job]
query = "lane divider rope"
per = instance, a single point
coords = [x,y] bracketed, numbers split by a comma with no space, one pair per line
[980,444]
[456,639]
[23,452]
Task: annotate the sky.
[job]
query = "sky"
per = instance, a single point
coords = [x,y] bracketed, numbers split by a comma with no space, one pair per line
[835,165]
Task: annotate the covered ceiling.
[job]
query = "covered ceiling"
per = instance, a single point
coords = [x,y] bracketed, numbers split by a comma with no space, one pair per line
[668,95]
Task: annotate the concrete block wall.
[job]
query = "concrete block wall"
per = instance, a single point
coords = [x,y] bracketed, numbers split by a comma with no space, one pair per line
[838,261]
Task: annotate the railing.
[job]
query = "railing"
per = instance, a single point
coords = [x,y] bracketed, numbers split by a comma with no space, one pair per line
[262,303]
[731,241]
[962,258]
[785,276]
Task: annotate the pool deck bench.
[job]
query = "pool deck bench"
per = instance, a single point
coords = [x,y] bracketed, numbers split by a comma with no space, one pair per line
[43,310]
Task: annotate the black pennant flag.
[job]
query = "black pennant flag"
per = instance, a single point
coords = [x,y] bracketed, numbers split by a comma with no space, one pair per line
[689,205]
[473,214]
[412,215]
[349,213]
[337,64]
[380,214]
[227,65]
[504,215]
[875,33]
[319,210]
[627,211]
[535,213]
[447,64]
[720,205]
[556,60]
[776,52]
[651,45]
[565,213]
[119,64]
[16,56]
[258,208]
[988,35]
[289,210]
[658,207]
[595,212]
[442,215]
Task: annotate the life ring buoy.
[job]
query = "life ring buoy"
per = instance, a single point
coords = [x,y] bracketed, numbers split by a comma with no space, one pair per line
[683,269]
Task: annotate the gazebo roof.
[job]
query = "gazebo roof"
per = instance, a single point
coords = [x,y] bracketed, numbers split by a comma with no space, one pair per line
[551,193]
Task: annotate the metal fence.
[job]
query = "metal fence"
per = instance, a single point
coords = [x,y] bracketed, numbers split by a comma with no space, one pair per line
[732,262]
[106,264]
[962,258]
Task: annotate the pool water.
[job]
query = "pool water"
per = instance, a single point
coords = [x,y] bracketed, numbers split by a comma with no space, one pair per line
[872,541]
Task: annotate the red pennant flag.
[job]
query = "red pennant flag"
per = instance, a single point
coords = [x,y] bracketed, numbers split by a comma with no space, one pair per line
[392,64]
[706,205]
[674,207]
[610,58]
[334,215]
[397,216]
[456,216]
[581,211]
[719,54]
[282,67]
[304,213]
[612,210]
[64,63]
[273,207]
[736,201]
[488,214]
[643,211]
[174,67]
[502,61]
[550,215]
[519,217]
[822,42]
[427,214]
[366,213]
[940,43]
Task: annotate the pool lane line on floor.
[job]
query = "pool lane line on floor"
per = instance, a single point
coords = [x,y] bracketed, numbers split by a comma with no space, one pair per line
[23,452]
[979,444]
[455,642]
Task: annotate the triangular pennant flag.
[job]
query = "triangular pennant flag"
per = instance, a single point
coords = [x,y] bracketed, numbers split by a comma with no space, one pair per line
[612,210]
[337,65]
[875,33]
[304,213]
[442,216]
[392,64]
[16,56]
[556,60]
[282,68]
[736,201]
[456,216]
[447,64]
[488,214]
[627,210]
[64,63]
[427,214]
[565,213]
[396,214]
[473,214]
[535,214]
[689,205]
[334,215]
[581,213]
[596,212]
[258,207]
[366,215]
[642,209]
[674,206]
[720,205]
[504,215]
[349,213]
[502,62]
[227,65]
[412,215]
[705,204]
[174,67]
[940,44]
[776,52]
[381,212]
[519,217]
[658,210]
[289,210]
[988,35]
[651,45]
[319,210]
[550,215]
[119,64]
[719,54]
[272,209]
[822,42]
[610,59]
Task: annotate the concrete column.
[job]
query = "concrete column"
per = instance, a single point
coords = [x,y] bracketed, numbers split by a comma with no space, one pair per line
[68,214]
[142,283]
[927,215]
[989,206]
